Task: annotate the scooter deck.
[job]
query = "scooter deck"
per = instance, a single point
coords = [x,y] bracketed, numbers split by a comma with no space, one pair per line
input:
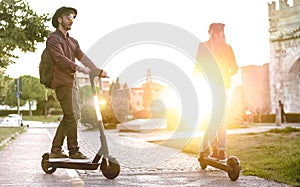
[69,160]
[232,166]
[215,163]
[73,165]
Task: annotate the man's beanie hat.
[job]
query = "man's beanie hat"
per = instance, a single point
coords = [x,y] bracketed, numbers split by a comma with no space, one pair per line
[59,12]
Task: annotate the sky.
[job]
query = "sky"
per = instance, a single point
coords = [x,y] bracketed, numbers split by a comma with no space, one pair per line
[246,24]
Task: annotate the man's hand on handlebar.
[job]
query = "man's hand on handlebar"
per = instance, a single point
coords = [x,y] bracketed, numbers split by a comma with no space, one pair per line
[103,74]
[98,73]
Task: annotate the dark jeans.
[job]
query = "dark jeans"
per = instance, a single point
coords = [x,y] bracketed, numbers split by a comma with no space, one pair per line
[68,125]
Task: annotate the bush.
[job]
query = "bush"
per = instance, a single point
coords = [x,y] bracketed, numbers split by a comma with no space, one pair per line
[88,115]
[89,118]
[271,118]
[293,117]
[6,112]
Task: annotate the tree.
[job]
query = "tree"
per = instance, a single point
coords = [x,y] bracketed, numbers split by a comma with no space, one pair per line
[20,28]
[119,101]
[48,105]
[86,95]
[4,83]
[11,99]
[31,91]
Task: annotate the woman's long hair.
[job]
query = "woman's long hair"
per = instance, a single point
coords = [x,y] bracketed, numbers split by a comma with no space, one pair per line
[217,43]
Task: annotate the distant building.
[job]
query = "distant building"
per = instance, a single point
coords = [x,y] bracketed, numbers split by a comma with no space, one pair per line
[263,86]
[84,80]
[285,54]
[250,88]
[256,87]
[235,97]
[137,95]
[136,99]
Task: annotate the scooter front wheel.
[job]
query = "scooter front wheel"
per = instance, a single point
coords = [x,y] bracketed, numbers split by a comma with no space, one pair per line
[234,168]
[110,168]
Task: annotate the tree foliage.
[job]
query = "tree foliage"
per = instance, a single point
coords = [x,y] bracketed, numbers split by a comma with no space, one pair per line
[20,28]
[11,99]
[86,95]
[31,90]
[4,83]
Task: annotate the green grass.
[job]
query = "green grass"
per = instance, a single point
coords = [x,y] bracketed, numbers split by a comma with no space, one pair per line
[52,118]
[6,132]
[273,155]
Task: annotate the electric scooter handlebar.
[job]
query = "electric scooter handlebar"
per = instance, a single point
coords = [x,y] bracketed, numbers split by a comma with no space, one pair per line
[96,73]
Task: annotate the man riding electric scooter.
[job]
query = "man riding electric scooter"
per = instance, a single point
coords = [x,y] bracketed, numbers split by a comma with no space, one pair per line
[64,49]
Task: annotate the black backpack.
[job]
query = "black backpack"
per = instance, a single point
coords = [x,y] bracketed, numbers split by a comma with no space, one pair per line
[46,68]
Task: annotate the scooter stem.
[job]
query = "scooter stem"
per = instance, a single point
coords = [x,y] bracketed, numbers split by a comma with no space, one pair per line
[103,151]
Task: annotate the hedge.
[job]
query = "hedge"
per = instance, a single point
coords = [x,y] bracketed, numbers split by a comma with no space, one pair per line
[26,112]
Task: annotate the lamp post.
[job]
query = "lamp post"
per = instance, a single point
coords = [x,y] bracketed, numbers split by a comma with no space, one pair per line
[18,91]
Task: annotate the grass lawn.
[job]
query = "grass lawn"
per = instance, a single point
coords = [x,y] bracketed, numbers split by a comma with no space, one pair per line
[6,132]
[273,155]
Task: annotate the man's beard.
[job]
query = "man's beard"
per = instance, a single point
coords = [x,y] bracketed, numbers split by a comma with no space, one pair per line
[65,26]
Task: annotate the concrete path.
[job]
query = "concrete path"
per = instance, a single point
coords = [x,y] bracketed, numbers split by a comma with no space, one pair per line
[142,163]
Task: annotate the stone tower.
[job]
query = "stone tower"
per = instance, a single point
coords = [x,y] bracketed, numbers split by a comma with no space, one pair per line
[285,54]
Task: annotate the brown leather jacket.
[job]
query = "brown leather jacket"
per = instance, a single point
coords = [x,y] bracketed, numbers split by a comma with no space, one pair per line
[64,50]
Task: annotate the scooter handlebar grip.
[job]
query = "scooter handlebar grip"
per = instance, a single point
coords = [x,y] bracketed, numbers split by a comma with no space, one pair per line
[96,73]
[102,76]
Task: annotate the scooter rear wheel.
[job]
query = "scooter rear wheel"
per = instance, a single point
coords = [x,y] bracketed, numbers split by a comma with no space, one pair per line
[47,169]
[45,164]
[201,161]
[203,165]
[111,169]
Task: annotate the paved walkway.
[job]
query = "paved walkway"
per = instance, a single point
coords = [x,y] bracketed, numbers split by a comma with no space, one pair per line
[142,163]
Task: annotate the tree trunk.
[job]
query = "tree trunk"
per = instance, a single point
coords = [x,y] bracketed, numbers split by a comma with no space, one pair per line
[45,109]
[30,111]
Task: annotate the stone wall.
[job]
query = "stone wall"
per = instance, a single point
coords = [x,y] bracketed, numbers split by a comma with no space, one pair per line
[285,55]
[256,87]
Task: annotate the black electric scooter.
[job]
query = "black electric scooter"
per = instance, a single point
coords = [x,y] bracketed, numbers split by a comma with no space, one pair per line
[109,166]
[232,166]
